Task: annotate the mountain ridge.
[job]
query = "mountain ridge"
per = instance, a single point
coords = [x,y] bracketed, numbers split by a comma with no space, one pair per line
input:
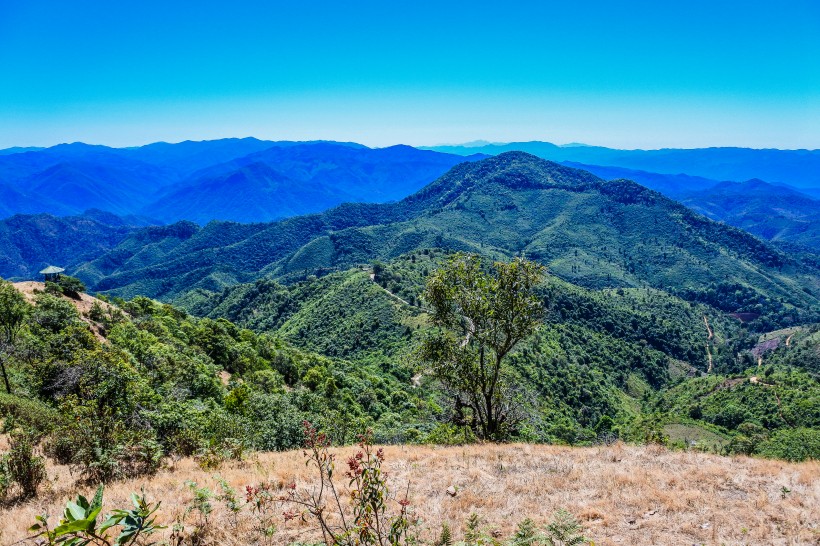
[798,168]
[160,180]
[591,232]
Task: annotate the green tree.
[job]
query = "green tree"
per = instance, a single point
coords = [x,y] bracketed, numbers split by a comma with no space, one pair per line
[71,286]
[13,312]
[482,316]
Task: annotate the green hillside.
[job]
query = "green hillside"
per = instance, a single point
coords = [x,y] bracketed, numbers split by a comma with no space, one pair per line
[599,360]
[649,308]
[591,233]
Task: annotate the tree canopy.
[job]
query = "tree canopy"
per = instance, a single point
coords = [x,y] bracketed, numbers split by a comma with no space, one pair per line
[483,315]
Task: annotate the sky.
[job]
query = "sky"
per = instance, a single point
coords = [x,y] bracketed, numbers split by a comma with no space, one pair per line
[624,74]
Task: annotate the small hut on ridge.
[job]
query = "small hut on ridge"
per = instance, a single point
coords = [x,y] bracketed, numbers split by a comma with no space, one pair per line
[52,273]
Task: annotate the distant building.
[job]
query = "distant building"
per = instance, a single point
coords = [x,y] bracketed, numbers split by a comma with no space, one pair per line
[52,273]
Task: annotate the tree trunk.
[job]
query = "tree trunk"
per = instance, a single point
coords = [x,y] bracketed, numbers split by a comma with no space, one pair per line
[5,375]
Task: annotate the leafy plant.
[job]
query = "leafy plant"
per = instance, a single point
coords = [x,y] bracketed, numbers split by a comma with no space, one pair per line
[445,538]
[201,504]
[476,535]
[79,525]
[216,453]
[368,521]
[231,501]
[526,534]
[564,530]
[264,507]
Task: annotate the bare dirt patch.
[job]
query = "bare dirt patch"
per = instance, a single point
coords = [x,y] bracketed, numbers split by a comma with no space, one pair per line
[84,304]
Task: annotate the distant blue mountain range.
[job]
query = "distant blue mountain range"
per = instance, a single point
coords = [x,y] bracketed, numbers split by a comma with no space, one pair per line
[244,180]
[797,168]
[249,180]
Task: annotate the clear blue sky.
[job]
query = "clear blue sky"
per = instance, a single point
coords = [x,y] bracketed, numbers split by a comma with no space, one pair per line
[616,73]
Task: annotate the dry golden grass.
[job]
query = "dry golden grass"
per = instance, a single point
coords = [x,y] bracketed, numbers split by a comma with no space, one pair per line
[624,495]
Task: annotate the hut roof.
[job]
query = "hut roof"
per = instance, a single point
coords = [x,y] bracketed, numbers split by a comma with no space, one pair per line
[50,270]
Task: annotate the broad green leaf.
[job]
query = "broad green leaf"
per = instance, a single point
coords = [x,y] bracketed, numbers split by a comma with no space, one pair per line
[98,498]
[75,510]
[72,527]
[112,520]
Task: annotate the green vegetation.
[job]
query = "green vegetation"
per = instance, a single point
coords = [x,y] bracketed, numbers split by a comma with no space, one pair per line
[164,382]
[591,233]
[13,311]
[651,324]
[483,316]
[79,524]
[593,371]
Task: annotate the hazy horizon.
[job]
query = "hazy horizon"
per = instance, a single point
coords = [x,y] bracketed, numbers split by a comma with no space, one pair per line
[468,144]
[636,75]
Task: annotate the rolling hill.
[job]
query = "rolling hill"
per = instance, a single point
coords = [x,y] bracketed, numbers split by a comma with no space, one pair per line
[774,213]
[592,233]
[284,181]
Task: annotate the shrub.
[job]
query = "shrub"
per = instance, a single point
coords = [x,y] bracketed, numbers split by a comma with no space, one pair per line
[22,466]
[798,444]
[33,416]
[53,289]
[53,313]
[450,434]
[216,453]
[368,521]
[564,530]
[102,448]
[71,286]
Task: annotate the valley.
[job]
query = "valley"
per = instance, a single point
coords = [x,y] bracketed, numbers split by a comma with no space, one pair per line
[429,274]
[664,340]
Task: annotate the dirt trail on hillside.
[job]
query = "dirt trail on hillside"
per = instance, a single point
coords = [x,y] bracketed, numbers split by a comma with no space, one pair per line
[389,293]
[709,337]
[708,328]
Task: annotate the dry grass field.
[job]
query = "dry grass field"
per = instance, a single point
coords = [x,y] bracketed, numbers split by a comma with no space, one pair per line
[623,495]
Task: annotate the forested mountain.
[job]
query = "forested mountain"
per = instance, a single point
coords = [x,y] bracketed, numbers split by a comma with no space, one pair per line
[771,212]
[232,179]
[589,232]
[658,324]
[797,168]
[28,243]
[284,181]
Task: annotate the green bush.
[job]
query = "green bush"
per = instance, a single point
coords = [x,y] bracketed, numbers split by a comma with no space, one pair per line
[102,448]
[21,466]
[71,286]
[37,418]
[799,444]
[449,434]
